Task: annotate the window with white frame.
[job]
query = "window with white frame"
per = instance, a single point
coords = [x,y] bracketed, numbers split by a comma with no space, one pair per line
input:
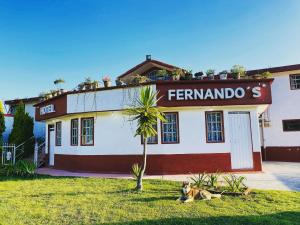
[87,131]
[295,81]
[170,129]
[214,127]
[152,139]
[74,132]
[58,134]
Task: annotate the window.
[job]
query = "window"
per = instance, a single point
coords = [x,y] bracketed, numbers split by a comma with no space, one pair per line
[87,131]
[214,127]
[74,132]
[170,129]
[295,81]
[58,134]
[153,139]
[291,125]
[153,76]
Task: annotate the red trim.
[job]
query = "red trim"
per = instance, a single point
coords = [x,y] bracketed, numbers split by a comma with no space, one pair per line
[56,133]
[144,63]
[77,132]
[8,115]
[274,69]
[82,132]
[282,153]
[222,126]
[156,164]
[177,129]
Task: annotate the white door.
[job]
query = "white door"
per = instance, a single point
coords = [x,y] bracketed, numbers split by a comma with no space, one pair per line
[241,140]
[51,145]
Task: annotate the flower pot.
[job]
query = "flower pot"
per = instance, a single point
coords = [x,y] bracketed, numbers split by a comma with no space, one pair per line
[257,76]
[223,76]
[211,77]
[107,83]
[174,78]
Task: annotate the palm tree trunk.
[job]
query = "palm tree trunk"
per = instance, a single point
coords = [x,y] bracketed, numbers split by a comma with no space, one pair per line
[139,185]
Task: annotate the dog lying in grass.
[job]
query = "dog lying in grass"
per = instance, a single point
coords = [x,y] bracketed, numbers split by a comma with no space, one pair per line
[189,193]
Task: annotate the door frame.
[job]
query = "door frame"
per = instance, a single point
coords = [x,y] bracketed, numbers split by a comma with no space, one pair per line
[49,127]
[251,139]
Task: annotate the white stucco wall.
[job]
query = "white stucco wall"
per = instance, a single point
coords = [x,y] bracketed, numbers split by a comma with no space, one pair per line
[105,100]
[114,135]
[285,105]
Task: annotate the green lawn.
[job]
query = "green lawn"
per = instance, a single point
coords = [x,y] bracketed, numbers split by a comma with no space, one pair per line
[47,200]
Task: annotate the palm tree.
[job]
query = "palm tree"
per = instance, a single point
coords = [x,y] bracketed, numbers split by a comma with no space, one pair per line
[146,115]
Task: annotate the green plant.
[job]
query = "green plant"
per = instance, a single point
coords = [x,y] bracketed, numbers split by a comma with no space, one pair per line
[210,72]
[22,130]
[238,71]
[161,73]
[235,183]
[136,170]
[58,83]
[138,79]
[146,115]
[266,74]
[198,75]
[213,180]
[22,168]
[199,180]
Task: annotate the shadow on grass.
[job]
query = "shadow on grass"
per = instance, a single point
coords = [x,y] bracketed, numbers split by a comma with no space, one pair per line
[153,199]
[283,218]
[34,177]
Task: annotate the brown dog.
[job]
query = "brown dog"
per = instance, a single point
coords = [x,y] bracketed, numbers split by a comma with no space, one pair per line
[189,193]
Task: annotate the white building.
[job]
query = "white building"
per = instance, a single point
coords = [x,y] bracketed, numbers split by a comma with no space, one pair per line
[281,127]
[212,125]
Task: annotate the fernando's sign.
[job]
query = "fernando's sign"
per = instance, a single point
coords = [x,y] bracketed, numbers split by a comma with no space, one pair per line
[212,93]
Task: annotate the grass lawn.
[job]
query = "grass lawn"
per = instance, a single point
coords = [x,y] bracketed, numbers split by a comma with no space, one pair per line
[48,200]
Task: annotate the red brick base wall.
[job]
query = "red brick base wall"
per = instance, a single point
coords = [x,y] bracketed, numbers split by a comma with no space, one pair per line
[156,164]
[283,154]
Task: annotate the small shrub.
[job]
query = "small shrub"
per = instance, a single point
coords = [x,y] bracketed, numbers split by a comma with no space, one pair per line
[22,168]
[135,170]
[235,183]
[199,180]
[213,180]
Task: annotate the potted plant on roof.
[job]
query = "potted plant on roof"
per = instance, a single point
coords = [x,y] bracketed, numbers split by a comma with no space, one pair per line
[210,73]
[238,71]
[161,74]
[223,75]
[175,75]
[199,75]
[266,75]
[139,79]
[107,81]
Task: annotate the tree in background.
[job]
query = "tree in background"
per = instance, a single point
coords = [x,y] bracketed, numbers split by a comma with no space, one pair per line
[146,115]
[22,130]
[2,121]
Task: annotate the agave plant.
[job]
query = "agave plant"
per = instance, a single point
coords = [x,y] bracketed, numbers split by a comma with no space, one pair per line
[135,170]
[213,180]
[235,183]
[199,180]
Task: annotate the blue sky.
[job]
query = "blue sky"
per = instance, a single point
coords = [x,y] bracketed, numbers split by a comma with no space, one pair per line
[44,40]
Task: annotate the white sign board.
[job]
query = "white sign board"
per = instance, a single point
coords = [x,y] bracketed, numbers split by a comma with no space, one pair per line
[47,109]
[211,93]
